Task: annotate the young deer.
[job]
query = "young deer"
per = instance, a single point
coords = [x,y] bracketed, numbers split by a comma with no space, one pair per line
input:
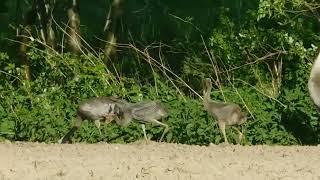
[110,108]
[99,109]
[149,112]
[227,114]
[314,82]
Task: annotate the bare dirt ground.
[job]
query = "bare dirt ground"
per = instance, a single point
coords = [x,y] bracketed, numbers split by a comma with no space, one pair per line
[157,161]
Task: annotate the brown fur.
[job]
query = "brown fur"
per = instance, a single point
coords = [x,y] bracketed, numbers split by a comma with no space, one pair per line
[151,112]
[110,109]
[98,109]
[227,114]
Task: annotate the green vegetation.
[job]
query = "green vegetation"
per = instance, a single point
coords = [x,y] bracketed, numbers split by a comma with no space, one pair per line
[259,53]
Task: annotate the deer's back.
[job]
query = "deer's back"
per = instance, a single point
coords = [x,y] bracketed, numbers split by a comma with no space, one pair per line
[145,111]
[99,107]
[236,117]
[214,108]
[228,112]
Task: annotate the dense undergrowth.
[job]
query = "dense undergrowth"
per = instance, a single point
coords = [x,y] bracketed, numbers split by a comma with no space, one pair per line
[44,109]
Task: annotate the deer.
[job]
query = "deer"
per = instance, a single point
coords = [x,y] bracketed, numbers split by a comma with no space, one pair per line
[98,109]
[110,109]
[314,82]
[226,114]
[149,112]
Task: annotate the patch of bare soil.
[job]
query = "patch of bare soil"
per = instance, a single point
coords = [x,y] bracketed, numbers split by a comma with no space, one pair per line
[157,161]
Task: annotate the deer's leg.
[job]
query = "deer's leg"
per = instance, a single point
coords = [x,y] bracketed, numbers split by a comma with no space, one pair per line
[66,137]
[109,118]
[222,126]
[144,132]
[97,123]
[162,124]
[240,134]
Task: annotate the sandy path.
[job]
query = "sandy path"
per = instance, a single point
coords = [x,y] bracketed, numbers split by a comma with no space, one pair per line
[157,161]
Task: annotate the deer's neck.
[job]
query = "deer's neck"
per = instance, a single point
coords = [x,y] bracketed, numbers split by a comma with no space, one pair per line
[206,95]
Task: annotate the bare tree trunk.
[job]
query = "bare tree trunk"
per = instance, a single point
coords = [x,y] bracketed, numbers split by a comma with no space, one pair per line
[24,21]
[49,5]
[25,41]
[73,29]
[44,10]
[114,14]
[39,5]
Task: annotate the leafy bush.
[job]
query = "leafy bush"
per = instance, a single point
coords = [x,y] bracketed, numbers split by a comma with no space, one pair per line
[45,111]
